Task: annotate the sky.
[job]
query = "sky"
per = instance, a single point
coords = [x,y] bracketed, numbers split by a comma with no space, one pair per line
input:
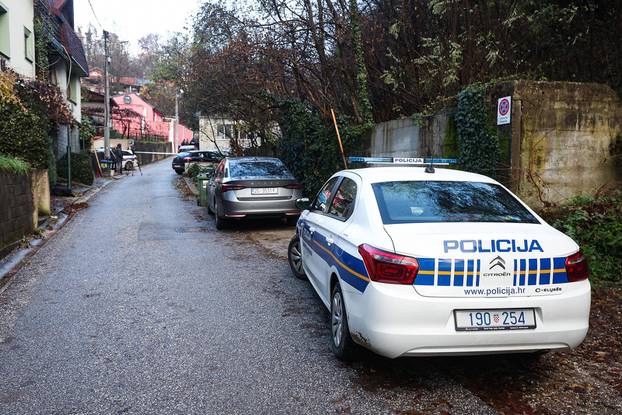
[133,19]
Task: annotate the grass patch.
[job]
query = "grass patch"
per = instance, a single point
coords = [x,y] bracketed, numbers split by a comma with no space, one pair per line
[13,165]
[596,225]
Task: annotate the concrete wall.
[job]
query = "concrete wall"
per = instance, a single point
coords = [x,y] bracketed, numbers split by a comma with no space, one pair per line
[566,133]
[564,140]
[17,211]
[40,186]
[152,147]
[20,14]
[409,138]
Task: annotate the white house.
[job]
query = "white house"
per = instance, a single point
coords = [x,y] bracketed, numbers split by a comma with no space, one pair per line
[17,38]
[216,134]
[68,63]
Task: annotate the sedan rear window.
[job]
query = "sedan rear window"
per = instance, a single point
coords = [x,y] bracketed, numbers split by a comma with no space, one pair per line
[259,168]
[442,201]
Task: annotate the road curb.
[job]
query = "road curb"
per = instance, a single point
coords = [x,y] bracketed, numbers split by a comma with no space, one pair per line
[13,262]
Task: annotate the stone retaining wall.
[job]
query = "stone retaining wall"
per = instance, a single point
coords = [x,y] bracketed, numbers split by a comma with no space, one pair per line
[18,215]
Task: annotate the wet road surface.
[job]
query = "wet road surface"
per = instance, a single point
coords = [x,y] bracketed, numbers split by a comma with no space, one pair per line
[140,306]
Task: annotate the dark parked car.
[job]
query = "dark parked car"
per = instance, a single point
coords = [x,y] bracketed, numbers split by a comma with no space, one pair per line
[252,187]
[179,162]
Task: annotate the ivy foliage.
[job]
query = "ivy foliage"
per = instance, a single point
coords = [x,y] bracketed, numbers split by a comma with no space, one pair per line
[309,146]
[87,132]
[477,142]
[42,63]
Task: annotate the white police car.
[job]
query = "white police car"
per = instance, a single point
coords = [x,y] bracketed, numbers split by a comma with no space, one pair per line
[415,261]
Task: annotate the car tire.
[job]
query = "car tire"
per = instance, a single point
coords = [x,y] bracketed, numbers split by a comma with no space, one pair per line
[341,342]
[294,257]
[209,209]
[180,172]
[221,222]
[291,220]
[129,166]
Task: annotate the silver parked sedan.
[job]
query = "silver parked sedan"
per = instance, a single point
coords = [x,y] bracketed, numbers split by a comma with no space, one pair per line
[252,187]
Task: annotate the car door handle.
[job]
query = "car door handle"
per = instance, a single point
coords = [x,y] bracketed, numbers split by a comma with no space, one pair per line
[329,241]
[311,230]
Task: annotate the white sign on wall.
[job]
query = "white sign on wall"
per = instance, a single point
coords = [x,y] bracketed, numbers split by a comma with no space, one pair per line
[504,110]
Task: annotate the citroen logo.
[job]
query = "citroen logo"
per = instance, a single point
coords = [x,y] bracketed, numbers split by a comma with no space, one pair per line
[497,262]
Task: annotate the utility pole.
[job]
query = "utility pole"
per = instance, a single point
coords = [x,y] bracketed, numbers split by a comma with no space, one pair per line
[178,93]
[106,100]
[176,119]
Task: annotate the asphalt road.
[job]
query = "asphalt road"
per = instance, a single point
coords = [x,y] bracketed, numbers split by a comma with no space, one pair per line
[139,305]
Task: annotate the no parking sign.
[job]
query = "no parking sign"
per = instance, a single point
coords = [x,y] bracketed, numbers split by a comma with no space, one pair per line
[504,110]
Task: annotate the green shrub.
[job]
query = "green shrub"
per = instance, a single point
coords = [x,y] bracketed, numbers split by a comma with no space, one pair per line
[596,225]
[24,134]
[81,168]
[13,165]
[193,171]
[309,146]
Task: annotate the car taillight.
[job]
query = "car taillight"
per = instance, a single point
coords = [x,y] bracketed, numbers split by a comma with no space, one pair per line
[576,267]
[387,267]
[293,186]
[187,159]
[227,187]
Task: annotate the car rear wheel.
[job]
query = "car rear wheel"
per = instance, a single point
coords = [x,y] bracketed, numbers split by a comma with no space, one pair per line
[294,257]
[341,343]
[179,171]
[129,166]
[221,222]
[209,209]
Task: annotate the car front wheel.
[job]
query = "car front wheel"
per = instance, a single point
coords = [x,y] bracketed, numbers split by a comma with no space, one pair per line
[341,343]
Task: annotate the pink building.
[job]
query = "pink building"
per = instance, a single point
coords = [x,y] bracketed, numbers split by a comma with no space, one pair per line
[144,120]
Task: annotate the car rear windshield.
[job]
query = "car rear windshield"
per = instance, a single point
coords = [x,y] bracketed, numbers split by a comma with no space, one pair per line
[445,201]
[258,168]
[210,156]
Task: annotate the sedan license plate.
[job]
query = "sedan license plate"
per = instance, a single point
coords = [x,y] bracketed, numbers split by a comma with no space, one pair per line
[264,191]
[498,319]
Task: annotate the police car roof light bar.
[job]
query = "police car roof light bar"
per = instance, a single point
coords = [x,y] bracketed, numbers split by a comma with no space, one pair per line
[411,161]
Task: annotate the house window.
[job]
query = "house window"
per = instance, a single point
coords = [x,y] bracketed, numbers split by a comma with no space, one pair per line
[5,44]
[73,89]
[220,128]
[29,47]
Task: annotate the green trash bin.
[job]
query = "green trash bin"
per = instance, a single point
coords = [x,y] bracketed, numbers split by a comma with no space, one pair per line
[202,180]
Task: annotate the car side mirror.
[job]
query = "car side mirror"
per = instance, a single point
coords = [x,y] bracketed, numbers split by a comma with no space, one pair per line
[303,203]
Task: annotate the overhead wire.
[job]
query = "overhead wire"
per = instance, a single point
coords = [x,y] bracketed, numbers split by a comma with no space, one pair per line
[95,15]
